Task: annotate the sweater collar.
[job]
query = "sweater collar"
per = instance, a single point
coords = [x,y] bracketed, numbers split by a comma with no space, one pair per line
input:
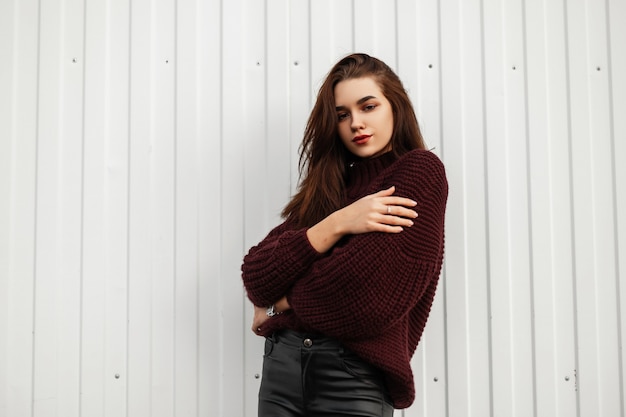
[362,171]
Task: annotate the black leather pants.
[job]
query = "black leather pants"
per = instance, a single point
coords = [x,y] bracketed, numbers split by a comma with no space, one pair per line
[308,376]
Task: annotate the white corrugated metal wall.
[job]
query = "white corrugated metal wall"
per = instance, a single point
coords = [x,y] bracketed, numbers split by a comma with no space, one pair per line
[146,145]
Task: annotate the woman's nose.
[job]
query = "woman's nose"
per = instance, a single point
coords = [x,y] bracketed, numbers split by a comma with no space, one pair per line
[356,121]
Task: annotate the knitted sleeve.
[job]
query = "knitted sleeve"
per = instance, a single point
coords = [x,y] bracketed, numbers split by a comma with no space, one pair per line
[271,267]
[371,281]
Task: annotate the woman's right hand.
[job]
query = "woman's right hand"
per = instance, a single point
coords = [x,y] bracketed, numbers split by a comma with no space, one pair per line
[378,212]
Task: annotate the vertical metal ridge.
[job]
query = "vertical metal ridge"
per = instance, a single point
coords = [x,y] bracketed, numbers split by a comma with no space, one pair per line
[571,195]
[175,205]
[265,96]
[150,175]
[310,57]
[220,232]
[198,299]
[353,27]
[396,36]
[35,212]
[441,130]
[618,304]
[483,73]
[81,260]
[529,210]
[128,198]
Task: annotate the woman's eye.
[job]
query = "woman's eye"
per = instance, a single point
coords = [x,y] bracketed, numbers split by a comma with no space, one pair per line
[342,116]
[369,107]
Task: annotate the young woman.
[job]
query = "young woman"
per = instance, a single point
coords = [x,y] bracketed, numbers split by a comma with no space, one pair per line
[343,287]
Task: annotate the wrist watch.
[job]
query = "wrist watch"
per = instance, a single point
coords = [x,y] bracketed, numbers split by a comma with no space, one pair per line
[271,311]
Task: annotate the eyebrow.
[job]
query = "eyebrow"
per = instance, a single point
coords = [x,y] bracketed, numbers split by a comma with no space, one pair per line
[360,101]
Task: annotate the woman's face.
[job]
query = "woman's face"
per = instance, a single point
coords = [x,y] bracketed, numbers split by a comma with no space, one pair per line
[364,117]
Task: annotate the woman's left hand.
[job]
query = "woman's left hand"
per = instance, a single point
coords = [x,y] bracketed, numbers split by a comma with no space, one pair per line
[260,317]
[260,313]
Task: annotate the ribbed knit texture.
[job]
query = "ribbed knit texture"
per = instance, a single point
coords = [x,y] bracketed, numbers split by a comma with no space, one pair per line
[372,291]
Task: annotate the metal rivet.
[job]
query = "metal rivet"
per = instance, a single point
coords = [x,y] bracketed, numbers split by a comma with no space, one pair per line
[296,63]
[430,65]
[308,342]
[435,379]
[117,376]
[257,376]
[598,68]
[567,378]
[74,60]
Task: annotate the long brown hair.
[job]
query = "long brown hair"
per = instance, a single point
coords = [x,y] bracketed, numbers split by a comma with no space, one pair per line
[323,157]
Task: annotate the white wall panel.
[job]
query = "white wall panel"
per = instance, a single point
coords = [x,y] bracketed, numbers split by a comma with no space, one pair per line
[7,23]
[19,141]
[146,145]
[59,211]
[237,61]
[187,187]
[617,93]
[417,64]
[208,27]
[254,119]
[550,213]
[140,222]
[594,219]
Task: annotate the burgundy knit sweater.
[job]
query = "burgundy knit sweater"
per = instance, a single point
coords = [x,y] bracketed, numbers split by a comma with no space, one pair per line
[373,291]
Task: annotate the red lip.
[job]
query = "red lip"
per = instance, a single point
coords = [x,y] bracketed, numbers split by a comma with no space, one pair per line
[361,139]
